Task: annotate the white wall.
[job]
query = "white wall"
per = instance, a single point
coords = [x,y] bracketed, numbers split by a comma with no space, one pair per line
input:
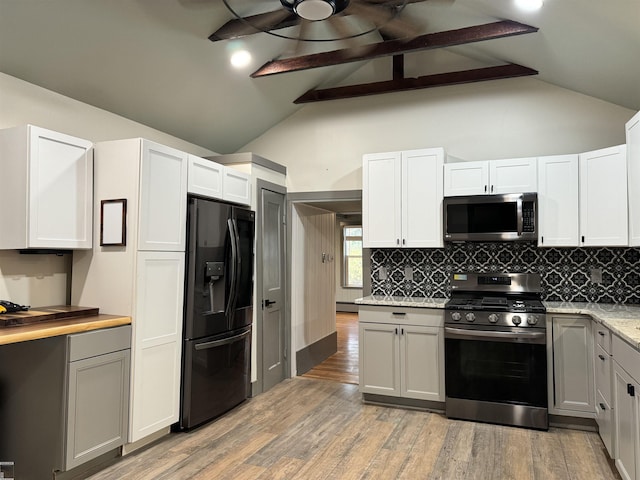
[312,281]
[322,144]
[40,280]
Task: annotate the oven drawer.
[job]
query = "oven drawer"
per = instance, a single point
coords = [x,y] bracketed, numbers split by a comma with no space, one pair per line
[603,337]
[425,317]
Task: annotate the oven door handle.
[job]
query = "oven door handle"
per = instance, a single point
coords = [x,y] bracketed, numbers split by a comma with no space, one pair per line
[517,337]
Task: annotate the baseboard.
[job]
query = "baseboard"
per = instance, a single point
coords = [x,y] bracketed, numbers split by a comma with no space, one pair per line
[128,448]
[90,467]
[316,353]
[256,389]
[410,403]
[573,423]
[346,307]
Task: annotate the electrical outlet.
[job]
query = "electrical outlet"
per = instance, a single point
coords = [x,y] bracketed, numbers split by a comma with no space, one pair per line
[596,275]
[408,273]
[382,273]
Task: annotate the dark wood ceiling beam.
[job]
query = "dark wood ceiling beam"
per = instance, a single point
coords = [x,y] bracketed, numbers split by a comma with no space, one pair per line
[238,28]
[429,41]
[428,81]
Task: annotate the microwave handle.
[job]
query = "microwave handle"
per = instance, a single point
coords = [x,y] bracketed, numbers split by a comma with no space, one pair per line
[519,207]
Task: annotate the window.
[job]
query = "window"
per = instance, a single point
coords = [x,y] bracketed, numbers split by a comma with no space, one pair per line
[352,256]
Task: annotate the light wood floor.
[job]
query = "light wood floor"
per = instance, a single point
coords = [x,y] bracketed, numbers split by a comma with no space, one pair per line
[342,366]
[305,429]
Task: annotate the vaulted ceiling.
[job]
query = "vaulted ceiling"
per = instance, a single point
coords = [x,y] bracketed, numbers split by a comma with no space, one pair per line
[152,60]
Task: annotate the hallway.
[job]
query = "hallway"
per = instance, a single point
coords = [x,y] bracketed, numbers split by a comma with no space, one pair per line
[342,366]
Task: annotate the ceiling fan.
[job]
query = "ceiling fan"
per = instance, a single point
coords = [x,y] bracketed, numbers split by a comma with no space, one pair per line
[338,19]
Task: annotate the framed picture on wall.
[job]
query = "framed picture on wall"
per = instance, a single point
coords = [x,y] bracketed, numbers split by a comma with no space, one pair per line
[113,222]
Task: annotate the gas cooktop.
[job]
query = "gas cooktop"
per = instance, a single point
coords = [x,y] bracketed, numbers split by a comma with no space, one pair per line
[500,304]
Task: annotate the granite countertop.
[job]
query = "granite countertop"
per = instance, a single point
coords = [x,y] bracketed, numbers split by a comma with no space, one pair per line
[420,302]
[623,320]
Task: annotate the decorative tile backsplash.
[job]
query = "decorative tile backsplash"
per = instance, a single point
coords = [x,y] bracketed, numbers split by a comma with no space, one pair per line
[565,272]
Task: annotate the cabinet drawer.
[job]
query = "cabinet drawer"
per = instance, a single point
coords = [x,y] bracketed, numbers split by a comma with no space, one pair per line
[627,356]
[402,315]
[603,368]
[603,337]
[604,418]
[98,342]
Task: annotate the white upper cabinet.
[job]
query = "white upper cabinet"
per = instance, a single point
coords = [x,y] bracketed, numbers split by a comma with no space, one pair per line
[633,178]
[205,177]
[237,186]
[402,199]
[513,176]
[210,179]
[163,194]
[517,175]
[603,197]
[47,198]
[558,213]
[381,200]
[466,178]
[422,194]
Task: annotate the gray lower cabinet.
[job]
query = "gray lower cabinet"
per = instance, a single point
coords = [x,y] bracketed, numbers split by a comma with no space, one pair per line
[626,409]
[63,400]
[570,363]
[97,394]
[402,352]
[603,366]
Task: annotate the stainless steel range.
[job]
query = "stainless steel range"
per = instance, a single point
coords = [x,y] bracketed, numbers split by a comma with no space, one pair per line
[495,349]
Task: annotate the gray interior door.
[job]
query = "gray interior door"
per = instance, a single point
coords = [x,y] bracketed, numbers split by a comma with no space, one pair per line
[273,275]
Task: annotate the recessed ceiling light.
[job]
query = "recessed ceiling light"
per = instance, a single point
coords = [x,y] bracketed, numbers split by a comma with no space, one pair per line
[529,4]
[240,58]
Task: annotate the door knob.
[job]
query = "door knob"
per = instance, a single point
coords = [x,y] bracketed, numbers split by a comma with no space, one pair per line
[269,302]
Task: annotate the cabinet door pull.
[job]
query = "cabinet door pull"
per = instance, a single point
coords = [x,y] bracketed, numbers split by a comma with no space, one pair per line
[601,333]
[491,188]
[404,241]
[582,238]
[397,241]
[402,331]
[631,390]
[601,357]
[485,189]
[603,407]
[542,239]
[398,313]
[396,330]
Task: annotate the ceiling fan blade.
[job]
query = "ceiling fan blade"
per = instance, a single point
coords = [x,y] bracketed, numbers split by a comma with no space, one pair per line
[304,28]
[346,35]
[268,19]
[385,19]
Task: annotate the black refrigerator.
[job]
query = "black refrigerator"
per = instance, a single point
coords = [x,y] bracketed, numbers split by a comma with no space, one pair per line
[216,358]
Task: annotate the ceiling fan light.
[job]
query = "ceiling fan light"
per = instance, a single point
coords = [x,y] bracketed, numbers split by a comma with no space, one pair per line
[529,4]
[314,10]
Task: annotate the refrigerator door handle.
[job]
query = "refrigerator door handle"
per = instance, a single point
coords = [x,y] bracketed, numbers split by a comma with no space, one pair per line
[234,267]
[219,343]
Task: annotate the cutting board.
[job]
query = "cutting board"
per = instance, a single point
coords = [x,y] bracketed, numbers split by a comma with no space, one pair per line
[43,314]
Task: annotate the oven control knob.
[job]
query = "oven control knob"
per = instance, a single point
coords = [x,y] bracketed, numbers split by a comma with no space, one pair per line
[456,316]
[493,318]
[532,319]
[470,317]
[516,319]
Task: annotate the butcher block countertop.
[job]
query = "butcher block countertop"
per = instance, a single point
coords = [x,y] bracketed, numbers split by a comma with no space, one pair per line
[45,322]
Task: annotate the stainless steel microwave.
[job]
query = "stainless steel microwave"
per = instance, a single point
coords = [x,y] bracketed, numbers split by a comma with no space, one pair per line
[491,218]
